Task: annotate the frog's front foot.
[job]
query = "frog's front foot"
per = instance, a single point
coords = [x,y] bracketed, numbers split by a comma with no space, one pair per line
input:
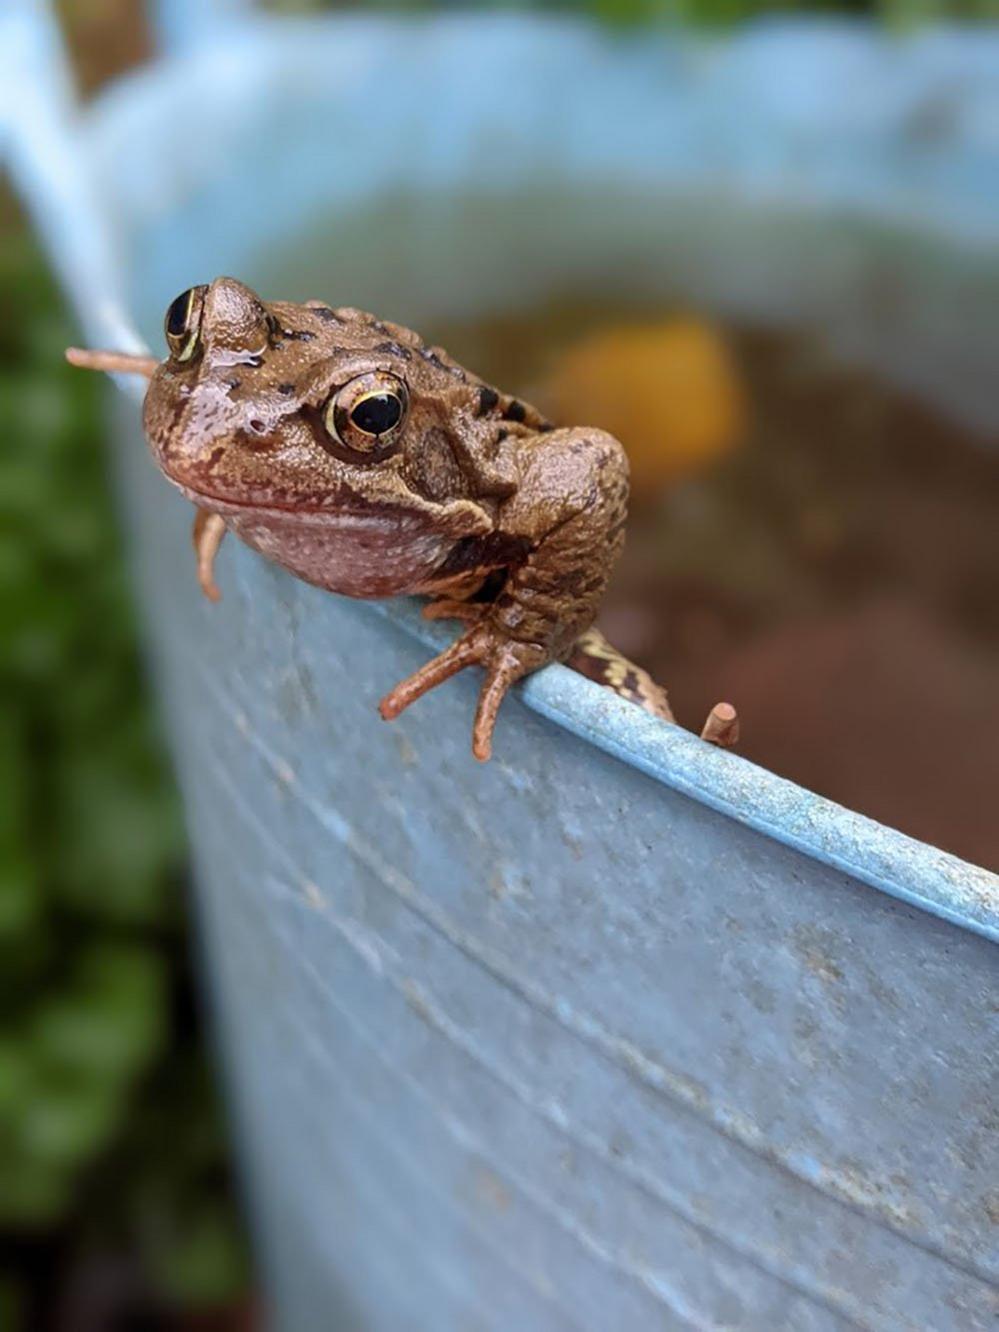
[505,661]
[207,534]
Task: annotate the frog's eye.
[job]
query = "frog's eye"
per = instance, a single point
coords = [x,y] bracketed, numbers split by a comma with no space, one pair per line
[183,323]
[367,414]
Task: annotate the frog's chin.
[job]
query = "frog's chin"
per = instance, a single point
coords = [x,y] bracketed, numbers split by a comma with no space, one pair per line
[356,554]
[371,552]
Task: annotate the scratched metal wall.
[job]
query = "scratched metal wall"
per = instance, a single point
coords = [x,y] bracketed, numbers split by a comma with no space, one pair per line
[617,1031]
[545,1044]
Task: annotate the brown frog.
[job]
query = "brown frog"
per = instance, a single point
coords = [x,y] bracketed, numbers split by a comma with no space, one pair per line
[342,447]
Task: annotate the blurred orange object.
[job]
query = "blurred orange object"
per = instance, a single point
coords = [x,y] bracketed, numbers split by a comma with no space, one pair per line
[670,392]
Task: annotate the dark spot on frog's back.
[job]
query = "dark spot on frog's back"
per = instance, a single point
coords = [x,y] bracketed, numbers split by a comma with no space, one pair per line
[286,389]
[326,313]
[488,398]
[299,334]
[515,410]
[438,357]
[395,349]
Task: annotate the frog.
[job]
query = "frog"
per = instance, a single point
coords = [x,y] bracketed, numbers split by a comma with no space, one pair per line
[345,449]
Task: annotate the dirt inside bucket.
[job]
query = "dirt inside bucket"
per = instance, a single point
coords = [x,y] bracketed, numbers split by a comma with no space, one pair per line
[806,541]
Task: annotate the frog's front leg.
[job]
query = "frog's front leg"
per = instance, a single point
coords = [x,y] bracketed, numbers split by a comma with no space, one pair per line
[505,663]
[469,612]
[569,512]
[207,534]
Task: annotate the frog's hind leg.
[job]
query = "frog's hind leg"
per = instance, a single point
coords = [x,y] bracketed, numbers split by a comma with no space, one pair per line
[207,534]
[599,660]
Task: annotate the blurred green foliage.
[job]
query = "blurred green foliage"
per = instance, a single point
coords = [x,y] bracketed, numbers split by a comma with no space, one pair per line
[701,13]
[106,1118]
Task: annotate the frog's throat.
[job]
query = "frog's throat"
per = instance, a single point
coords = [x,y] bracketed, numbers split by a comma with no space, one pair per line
[114,363]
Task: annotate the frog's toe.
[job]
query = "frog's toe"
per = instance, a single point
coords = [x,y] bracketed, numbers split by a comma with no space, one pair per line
[209,587]
[465,651]
[504,670]
[469,612]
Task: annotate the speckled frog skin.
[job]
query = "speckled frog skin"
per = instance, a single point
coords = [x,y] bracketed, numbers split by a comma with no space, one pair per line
[341,447]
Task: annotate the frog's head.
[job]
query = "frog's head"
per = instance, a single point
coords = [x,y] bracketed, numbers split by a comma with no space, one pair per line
[304,424]
[304,408]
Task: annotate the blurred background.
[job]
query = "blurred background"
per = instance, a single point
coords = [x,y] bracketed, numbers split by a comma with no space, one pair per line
[814,536]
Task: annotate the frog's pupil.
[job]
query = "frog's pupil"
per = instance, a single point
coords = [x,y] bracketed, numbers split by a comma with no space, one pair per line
[377,413]
[176,316]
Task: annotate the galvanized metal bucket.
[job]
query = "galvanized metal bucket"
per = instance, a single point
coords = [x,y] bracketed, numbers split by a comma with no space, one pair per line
[617,1031]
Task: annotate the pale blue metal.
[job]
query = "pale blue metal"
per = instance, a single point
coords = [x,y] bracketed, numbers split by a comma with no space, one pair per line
[617,1031]
[181,25]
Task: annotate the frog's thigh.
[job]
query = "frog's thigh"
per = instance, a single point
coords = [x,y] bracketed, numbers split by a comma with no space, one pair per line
[207,534]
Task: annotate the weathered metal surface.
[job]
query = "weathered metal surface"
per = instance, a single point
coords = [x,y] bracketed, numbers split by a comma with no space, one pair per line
[617,1031]
[547,1037]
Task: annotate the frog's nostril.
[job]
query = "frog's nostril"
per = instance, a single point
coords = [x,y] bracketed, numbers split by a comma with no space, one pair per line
[258,436]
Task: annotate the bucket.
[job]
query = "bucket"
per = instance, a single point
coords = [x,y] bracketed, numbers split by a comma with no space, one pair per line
[617,1030]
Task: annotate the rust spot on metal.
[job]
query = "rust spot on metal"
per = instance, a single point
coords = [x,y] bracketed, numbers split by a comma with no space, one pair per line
[813,945]
[490,1189]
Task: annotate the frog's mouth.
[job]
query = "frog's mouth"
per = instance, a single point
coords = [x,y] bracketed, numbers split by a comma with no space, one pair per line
[345,510]
[223,506]
[342,504]
[335,504]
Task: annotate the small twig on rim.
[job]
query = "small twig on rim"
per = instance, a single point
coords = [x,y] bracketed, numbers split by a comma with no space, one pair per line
[722,726]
